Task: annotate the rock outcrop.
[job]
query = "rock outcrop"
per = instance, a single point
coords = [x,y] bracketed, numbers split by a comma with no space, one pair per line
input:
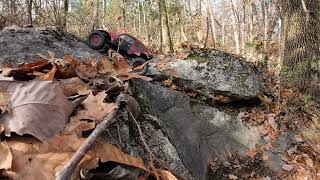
[221,71]
[195,129]
[21,45]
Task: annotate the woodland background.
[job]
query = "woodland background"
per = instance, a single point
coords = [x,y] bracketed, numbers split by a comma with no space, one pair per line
[281,35]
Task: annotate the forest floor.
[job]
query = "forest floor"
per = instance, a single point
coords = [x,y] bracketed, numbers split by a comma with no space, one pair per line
[79,95]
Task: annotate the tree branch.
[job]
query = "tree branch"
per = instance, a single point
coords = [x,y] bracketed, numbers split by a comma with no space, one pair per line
[66,172]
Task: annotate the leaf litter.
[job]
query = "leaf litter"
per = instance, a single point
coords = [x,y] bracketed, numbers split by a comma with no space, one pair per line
[100,82]
[64,98]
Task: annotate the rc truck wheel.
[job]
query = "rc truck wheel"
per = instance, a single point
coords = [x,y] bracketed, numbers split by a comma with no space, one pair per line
[97,40]
[138,61]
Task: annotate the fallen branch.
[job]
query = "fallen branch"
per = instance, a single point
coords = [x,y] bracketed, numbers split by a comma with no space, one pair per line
[66,172]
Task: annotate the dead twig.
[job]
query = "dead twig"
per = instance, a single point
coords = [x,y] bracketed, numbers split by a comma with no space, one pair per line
[69,168]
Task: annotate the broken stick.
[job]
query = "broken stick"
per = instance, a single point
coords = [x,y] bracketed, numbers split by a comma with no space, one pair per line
[66,172]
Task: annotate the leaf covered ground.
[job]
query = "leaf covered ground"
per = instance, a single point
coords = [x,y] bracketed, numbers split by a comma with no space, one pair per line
[49,106]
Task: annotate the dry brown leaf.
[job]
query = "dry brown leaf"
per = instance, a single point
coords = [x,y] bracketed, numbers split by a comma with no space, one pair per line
[5,156]
[36,66]
[67,69]
[35,160]
[74,86]
[287,167]
[252,152]
[6,71]
[232,176]
[106,66]
[50,75]
[78,126]
[222,99]
[265,156]
[166,175]
[94,107]
[308,160]
[6,90]
[38,108]
[1,128]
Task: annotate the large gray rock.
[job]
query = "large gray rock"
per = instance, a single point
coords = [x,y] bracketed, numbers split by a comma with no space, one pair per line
[21,45]
[220,71]
[196,130]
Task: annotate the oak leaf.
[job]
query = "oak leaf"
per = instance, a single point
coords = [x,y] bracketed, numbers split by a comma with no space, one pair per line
[38,108]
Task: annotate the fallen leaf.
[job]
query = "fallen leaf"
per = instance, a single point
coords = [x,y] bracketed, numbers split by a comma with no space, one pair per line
[95,108]
[33,159]
[6,90]
[265,156]
[73,86]
[5,156]
[50,75]
[273,123]
[1,128]
[78,126]
[6,78]
[38,108]
[166,175]
[36,66]
[308,160]
[67,69]
[287,167]
[252,152]
[233,177]
[106,66]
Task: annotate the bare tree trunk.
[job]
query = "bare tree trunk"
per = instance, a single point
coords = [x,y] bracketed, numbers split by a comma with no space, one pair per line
[236,26]
[144,19]
[198,7]
[124,14]
[251,20]
[29,4]
[164,9]
[223,34]
[243,41]
[65,14]
[266,24]
[160,26]
[212,23]
[139,18]
[207,33]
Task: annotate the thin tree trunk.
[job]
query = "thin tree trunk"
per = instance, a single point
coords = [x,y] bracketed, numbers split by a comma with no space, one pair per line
[65,14]
[251,20]
[29,4]
[212,23]
[223,33]
[198,7]
[266,24]
[139,17]
[144,19]
[124,14]
[243,41]
[160,26]
[164,6]
[207,33]
[236,27]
